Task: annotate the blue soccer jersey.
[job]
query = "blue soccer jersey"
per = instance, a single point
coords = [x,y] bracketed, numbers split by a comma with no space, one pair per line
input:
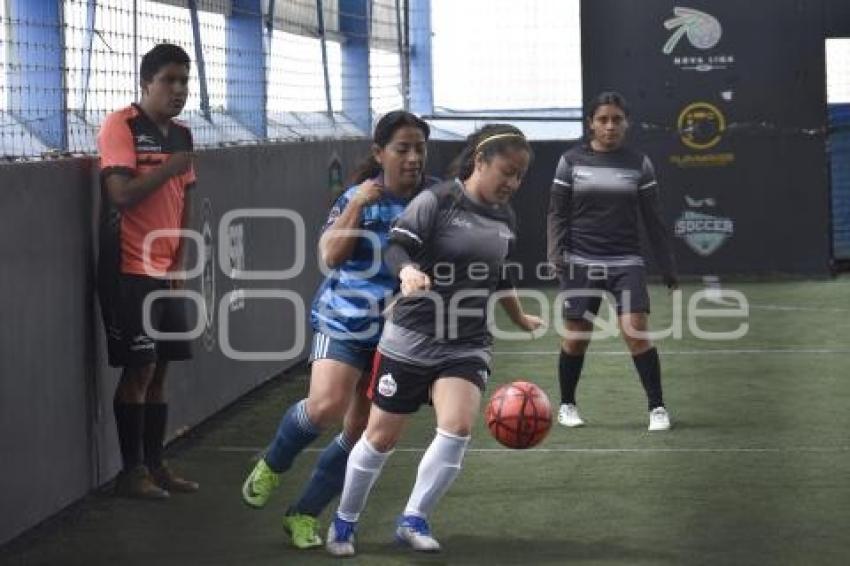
[349,302]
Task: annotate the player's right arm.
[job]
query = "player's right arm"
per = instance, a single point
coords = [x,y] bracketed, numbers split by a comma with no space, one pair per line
[337,242]
[126,191]
[408,237]
[124,185]
[558,217]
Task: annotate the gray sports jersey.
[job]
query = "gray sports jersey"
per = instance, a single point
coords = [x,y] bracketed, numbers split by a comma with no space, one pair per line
[594,206]
[462,245]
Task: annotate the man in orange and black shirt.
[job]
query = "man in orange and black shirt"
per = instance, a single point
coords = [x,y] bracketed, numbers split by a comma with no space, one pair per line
[146,174]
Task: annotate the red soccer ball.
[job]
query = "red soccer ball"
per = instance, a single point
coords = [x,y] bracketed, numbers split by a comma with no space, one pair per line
[519,415]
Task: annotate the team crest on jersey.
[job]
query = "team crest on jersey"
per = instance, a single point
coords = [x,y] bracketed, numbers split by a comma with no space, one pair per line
[144,142]
[387,385]
[460,222]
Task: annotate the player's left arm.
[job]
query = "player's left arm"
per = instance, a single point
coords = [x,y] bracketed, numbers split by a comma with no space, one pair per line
[650,208]
[180,255]
[189,179]
[513,307]
[509,299]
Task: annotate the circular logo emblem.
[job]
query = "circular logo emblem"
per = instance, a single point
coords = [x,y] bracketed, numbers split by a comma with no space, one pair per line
[701,125]
[387,385]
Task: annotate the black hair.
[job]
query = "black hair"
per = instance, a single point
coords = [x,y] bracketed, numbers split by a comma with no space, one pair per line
[488,141]
[606,98]
[160,56]
[385,129]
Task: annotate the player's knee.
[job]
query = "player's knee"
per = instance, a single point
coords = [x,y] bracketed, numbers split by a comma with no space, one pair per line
[382,440]
[155,392]
[457,425]
[326,411]
[637,346]
[354,425]
[574,347]
[458,429]
[136,380]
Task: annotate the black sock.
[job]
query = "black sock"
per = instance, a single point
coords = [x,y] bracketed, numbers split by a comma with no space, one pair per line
[649,369]
[156,417]
[130,422]
[569,370]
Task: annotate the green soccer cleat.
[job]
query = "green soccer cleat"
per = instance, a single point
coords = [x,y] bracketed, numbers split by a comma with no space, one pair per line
[303,530]
[260,484]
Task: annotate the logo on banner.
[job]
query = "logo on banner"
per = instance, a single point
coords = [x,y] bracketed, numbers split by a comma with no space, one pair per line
[701,126]
[703,232]
[335,181]
[236,235]
[703,31]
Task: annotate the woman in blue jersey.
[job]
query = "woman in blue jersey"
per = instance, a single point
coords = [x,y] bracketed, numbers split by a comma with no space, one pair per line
[346,318]
[600,192]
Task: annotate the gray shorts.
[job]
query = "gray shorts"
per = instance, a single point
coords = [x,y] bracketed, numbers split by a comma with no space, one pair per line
[624,285]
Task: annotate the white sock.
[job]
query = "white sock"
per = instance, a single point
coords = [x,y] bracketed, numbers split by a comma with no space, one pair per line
[438,469]
[364,467]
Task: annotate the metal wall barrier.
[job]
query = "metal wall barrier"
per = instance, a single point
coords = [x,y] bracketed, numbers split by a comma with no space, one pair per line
[839,164]
[55,387]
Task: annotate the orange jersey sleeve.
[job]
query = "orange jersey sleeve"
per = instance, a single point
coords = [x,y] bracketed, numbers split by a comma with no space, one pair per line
[115,143]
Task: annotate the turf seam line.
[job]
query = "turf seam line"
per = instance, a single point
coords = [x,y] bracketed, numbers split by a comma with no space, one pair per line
[802,449]
[745,351]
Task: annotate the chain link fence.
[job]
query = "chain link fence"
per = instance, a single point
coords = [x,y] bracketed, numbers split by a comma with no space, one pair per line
[65,65]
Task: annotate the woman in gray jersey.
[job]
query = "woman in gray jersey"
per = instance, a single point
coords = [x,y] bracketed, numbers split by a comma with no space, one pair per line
[436,345]
[601,189]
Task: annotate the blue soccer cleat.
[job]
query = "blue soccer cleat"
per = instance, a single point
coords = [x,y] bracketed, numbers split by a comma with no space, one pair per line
[340,541]
[414,532]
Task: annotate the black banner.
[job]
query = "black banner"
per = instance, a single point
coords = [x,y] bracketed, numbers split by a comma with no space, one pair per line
[728,99]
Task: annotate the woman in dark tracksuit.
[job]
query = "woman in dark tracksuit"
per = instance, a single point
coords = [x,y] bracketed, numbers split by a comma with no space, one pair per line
[600,190]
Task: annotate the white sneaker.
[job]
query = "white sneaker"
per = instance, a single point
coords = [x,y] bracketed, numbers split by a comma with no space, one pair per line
[415,533]
[568,416]
[659,419]
[340,541]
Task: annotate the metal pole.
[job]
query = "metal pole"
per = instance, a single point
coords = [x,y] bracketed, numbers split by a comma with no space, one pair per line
[270,25]
[136,48]
[199,60]
[403,36]
[320,15]
[90,21]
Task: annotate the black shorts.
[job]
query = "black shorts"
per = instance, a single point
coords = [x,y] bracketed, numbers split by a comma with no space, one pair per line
[401,388]
[587,284]
[121,302]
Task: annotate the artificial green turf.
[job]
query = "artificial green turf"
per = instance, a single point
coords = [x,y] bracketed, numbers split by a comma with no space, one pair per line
[754,471]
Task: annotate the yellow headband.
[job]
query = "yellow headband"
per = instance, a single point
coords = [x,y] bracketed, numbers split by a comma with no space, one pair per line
[496,137]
